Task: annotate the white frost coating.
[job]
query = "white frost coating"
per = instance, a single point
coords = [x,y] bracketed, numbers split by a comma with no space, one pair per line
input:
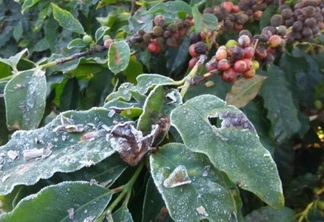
[201,210]
[12,154]
[206,170]
[89,219]
[71,213]
[111,113]
[178,177]
[33,153]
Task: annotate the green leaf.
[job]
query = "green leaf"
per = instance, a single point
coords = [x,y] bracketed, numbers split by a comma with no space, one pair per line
[101,32]
[171,9]
[158,105]
[122,214]
[118,56]
[18,31]
[66,20]
[73,140]
[268,214]
[278,100]
[133,69]
[77,43]
[244,90]
[154,206]
[256,113]
[177,59]
[267,14]
[141,20]
[70,95]
[77,201]
[152,109]
[219,89]
[192,189]
[233,147]
[203,22]
[14,60]
[4,133]
[28,4]
[25,98]
[144,83]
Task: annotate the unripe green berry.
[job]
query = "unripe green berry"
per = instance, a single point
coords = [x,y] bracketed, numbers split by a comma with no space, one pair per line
[87,39]
[318,104]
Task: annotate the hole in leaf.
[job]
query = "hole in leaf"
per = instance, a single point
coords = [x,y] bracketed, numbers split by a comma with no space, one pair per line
[215,121]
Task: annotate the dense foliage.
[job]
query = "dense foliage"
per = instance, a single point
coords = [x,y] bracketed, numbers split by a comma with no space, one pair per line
[161,110]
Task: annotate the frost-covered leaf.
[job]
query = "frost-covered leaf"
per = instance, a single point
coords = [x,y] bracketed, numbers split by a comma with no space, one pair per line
[67,201]
[73,140]
[25,98]
[278,100]
[244,90]
[202,193]
[144,83]
[101,32]
[233,147]
[171,9]
[118,56]
[268,214]
[77,43]
[14,60]
[123,215]
[204,22]
[66,20]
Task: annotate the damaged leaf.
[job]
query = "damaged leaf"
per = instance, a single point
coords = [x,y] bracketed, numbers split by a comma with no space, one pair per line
[232,145]
[211,197]
[73,140]
[130,142]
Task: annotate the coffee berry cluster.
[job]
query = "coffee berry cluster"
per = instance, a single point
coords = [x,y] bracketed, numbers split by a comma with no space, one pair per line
[304,20]
[241,57]
[235,16]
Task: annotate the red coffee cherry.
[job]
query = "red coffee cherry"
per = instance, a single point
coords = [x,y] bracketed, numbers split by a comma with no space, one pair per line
[240,66]
[154,47]
[107,43]
[249,73]
[223,65]
[229,76]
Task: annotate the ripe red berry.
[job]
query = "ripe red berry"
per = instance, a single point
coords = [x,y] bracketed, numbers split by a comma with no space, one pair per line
[229,76]
[154,47]
[192,51]
[249,73]
[249,63]
[235,9]
[260,53]
[271,50]
[248,52]
[240,66]
[193,62]
[228,6]
[107,43]
[223,65]
[221,54]
[244,41]
[274,41]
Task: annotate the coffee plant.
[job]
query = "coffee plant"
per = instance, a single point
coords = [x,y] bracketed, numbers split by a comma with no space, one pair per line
[161,110]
